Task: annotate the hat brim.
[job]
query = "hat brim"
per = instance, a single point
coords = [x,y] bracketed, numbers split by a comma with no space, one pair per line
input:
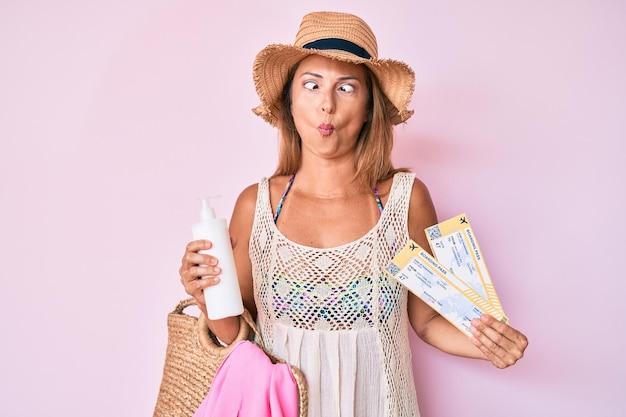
[271,68]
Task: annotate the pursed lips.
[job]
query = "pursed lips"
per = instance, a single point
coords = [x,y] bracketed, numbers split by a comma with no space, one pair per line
[326,129]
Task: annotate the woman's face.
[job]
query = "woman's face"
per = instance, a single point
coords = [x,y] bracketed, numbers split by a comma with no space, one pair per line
[329,105]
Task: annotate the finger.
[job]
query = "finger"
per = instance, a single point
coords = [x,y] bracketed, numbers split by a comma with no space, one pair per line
[191,262]
[489,348]
[191,254]
[197,286]
[204,271]
[498,341]
[193,258]
[196,245]
[512,339]
[491,343]
[196,272]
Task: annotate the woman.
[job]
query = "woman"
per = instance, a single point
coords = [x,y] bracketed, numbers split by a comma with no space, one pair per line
[311,243]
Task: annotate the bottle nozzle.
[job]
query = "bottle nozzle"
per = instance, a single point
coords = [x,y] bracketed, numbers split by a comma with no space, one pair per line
[206,211]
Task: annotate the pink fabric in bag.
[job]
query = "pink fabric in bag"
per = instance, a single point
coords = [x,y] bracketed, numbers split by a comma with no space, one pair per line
[247,383]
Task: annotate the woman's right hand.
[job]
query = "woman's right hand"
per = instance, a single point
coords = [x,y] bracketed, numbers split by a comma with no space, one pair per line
[198,271]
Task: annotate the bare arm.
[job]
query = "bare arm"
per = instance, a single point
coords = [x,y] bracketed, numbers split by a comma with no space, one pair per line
[492,340]
[240,230]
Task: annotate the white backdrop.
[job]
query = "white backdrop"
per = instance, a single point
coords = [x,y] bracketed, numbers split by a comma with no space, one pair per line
[115,117]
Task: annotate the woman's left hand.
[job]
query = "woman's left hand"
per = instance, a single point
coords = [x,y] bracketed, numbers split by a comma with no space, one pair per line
[500,343]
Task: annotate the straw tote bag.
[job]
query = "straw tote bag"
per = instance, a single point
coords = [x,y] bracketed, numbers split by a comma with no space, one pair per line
[192,358]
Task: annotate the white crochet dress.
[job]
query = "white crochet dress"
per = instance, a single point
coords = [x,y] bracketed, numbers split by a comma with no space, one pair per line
[334,314]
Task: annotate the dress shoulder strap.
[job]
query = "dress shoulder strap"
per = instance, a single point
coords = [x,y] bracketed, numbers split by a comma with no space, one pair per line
[395,216]
[401,188]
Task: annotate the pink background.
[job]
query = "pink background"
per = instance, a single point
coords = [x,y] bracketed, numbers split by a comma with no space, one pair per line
[116,116]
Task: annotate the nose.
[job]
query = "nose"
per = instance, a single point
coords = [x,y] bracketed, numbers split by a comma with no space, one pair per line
[328,103]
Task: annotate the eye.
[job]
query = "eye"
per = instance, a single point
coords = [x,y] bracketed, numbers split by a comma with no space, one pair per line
[347,88]
[310,85]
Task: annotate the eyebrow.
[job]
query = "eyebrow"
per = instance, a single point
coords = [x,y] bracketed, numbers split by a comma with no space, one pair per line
[344,78]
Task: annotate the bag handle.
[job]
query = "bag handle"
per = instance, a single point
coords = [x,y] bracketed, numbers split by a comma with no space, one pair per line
[183,304]
[247,328]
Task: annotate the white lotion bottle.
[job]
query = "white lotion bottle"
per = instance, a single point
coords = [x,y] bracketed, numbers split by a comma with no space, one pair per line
[224,298]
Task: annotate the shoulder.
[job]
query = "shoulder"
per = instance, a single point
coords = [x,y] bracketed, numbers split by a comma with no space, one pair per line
[403,183]
[419,192]
[277,186]
[422,212]
[247,200]
[243,213]
[278,182]
[420,202]
[249,194]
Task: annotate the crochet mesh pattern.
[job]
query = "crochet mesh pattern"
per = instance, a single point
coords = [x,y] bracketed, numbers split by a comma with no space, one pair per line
[340,289]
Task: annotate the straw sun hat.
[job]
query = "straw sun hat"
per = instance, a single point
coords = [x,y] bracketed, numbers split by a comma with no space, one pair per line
[340,36]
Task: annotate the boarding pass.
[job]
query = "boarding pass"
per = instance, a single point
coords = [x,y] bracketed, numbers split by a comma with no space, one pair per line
[457,302]
[454,244]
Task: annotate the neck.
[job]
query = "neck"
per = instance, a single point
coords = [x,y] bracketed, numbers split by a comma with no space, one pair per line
[327,181]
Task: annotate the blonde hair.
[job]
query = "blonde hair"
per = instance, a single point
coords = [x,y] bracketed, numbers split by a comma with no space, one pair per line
[374,145]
